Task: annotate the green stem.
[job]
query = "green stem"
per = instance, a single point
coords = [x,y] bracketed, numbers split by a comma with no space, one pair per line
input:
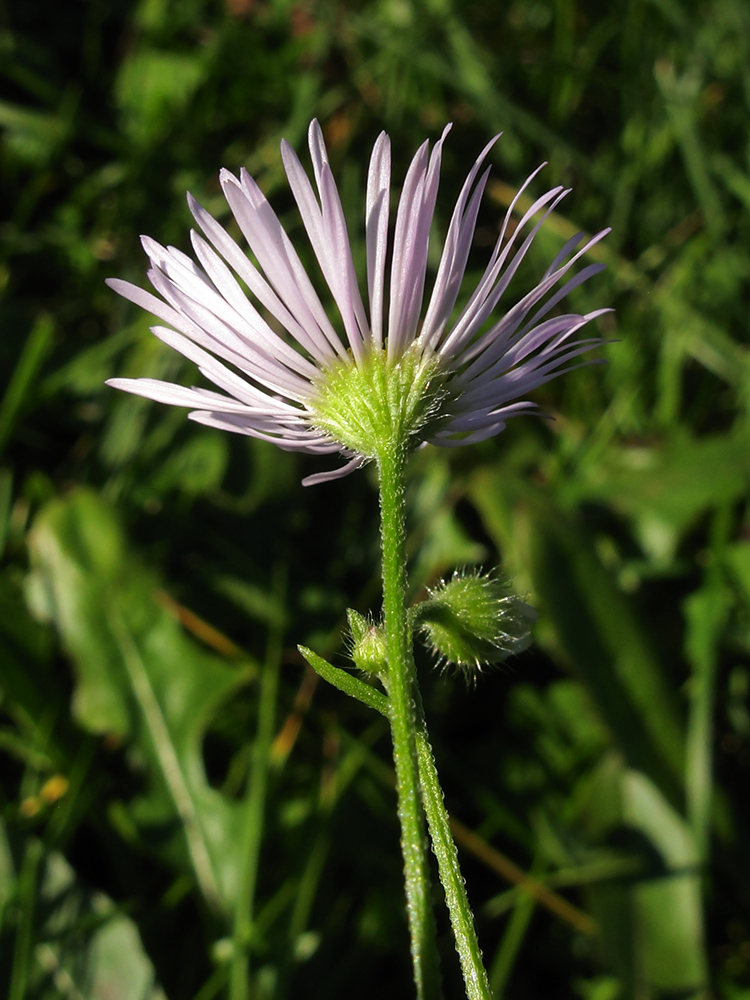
[461,916]
[402,693]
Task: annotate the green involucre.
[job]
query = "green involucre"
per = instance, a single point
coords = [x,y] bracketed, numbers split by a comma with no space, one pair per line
[378,403]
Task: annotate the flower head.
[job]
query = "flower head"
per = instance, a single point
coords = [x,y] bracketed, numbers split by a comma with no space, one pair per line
[408,365]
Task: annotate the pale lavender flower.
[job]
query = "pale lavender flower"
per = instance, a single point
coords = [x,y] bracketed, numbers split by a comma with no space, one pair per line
[270,382]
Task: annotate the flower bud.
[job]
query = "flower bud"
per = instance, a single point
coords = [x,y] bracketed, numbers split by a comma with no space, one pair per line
[473,619]
[367,644]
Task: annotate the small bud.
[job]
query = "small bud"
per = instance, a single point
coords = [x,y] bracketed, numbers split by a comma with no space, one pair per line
[473,619]
[367,644]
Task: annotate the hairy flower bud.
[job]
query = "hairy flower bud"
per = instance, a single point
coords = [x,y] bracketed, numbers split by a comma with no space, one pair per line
[367,644]
[473,619]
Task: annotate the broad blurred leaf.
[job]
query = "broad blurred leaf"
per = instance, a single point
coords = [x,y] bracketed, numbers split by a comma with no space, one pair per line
[32,136]
[138,676]
[668,919]
[666,488]
[153,86]
[196,467]
[84,946]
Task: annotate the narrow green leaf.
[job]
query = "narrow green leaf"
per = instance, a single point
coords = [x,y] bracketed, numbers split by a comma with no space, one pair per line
[706,614]
[32,358]
[345,682]
[6,496]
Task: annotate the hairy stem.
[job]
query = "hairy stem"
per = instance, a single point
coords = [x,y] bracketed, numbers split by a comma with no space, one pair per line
[461,915]
[402,697]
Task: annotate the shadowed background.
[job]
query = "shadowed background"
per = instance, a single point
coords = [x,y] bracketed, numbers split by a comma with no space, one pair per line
[157,725]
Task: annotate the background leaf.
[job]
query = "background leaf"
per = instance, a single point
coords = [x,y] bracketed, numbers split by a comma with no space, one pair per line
[140,678]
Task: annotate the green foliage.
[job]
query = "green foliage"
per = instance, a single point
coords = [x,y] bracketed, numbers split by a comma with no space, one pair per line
[166,752]
[139,679]
[82,938]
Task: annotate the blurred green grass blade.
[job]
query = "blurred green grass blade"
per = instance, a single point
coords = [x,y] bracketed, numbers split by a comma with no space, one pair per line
[595,627]
[166,754]
[27,883]
[7,873]
[85,372]
[468,68]
[214,985]
[302,940]
[706,616]
[29,364]
[6,497]
[253,600]
[674,13]
[702,338]
[255,801]
[681,95]
[735,180]
[669,917]
[512,940]
[150,15]
[138,676]
[305,896]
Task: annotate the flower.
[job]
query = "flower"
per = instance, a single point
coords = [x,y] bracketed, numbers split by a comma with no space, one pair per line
[459,378]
